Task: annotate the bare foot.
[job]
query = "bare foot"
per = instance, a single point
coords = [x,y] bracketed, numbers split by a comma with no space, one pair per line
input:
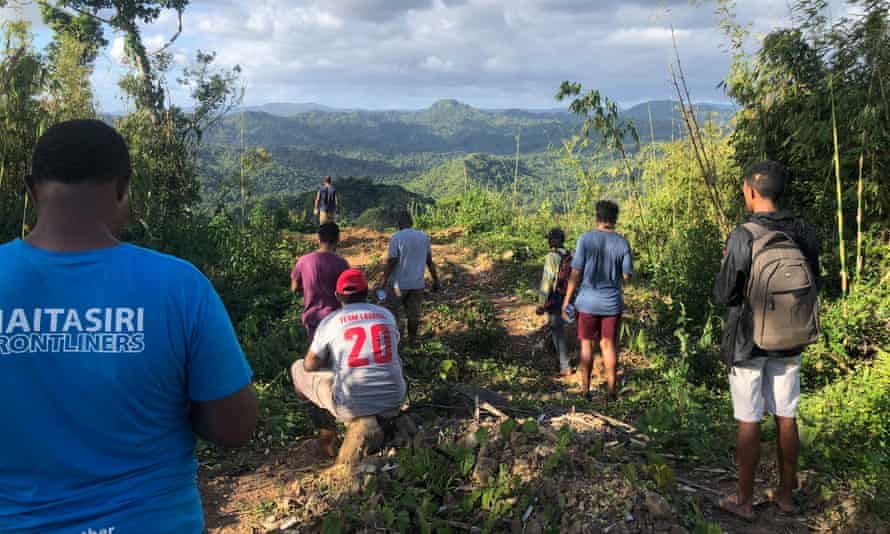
[785,504]
[730,504]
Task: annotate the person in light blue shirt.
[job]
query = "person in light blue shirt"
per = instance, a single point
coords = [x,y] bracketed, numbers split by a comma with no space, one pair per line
[112,358]
[603,261]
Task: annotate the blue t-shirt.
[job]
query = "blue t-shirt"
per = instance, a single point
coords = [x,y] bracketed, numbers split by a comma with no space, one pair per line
[602,258]
[101,355]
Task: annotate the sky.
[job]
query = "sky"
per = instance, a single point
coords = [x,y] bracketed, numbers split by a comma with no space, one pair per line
[406,54]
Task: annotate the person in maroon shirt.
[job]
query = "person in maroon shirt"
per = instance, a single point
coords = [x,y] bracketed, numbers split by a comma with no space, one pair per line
[315,275]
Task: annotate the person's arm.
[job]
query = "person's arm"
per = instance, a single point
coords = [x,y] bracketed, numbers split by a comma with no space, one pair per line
[312,362]
[432,267]
[337,202]
[229,421]
[223,404]
[574,282]
[392,261]
[729,288]
[627,264]
[317,199]
[579,261]
[296,278]
[547,281]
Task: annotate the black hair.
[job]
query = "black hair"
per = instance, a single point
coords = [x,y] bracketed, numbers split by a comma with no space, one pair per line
[556,234]
[327,179]
[79,151]
[769,178]
[606,212]
[329,233]
[405,219]
[355,298]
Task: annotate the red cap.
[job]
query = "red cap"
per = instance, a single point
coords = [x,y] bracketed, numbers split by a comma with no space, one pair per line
[352,281]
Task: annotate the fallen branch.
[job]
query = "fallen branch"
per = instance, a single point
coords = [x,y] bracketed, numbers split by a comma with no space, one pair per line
[692,484]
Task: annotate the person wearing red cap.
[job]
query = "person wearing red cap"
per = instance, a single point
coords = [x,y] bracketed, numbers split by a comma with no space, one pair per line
[353,367]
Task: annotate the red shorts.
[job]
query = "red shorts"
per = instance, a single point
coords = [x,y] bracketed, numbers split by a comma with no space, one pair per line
[595,327]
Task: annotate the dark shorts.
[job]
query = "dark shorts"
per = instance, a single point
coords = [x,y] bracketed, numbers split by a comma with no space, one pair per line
[595,327]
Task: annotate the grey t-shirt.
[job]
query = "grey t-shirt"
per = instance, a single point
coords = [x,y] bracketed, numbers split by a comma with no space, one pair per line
[361,342]
[602,258]
[411,247]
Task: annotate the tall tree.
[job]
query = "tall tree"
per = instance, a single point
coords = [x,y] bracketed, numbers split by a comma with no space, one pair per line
[124,16]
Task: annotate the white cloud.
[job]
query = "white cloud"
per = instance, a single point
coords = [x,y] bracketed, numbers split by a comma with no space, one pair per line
[497,53]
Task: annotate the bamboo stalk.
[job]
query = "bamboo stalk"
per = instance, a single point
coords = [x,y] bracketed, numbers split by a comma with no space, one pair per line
[859,213]
[840,200]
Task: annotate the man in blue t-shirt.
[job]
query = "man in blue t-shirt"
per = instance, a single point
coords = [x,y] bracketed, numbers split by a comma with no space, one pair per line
[602,261]
[112,358]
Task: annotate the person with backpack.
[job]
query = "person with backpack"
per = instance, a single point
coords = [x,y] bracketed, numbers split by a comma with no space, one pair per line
[603,261]
[327,202]
[768,280]
[554,283]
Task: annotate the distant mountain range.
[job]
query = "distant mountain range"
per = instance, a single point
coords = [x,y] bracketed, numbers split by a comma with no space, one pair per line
[448,126]
[434,152]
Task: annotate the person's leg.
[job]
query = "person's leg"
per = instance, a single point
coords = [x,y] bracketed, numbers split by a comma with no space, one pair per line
[587,333]
[782,394]
[788,447]
[558,334]
[746,386]
[609,348]
[747,458]
[413,306]
[317,388]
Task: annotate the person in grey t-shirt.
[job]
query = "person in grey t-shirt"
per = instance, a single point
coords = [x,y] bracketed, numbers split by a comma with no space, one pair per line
[602,262]
[410,254]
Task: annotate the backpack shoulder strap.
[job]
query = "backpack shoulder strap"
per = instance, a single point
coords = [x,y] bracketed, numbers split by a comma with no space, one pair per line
[757,230]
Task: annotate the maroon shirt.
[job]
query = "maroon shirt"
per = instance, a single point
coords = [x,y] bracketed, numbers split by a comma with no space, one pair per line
[316,275]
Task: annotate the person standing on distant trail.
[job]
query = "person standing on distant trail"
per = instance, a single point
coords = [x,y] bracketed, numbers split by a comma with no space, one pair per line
[315,275]
[769,281]
[327,202]
[552,292]
[603,260]
[112,358]
[409,254]
[353,367]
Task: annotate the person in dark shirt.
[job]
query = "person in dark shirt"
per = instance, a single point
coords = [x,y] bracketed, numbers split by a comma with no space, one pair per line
[761,380]
[327,202]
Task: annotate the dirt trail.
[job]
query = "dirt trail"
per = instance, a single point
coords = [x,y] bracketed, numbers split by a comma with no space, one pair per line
[253,492]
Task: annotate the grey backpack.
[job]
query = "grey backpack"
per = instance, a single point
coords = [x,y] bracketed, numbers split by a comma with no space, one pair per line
[781,292]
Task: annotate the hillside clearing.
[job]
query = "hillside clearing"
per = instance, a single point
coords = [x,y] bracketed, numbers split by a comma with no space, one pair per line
[553,460]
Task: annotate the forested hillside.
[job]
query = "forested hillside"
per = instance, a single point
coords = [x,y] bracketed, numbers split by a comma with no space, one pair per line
[415,147]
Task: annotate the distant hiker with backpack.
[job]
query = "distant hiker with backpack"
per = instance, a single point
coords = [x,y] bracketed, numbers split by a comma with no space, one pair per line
[552,292]
[603,261]
[327,202]
[768,280]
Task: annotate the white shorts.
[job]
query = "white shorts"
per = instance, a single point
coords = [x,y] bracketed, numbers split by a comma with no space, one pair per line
[317,386]
[770,384]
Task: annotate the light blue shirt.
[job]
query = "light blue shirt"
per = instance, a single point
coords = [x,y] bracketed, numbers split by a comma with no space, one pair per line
[602,258]
[102,354]
[411,248]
